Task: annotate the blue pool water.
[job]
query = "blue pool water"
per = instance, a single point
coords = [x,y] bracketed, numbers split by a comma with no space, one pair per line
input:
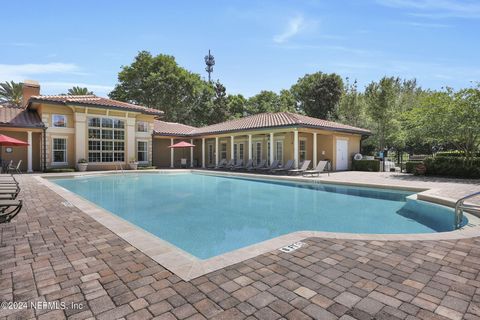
[209,215]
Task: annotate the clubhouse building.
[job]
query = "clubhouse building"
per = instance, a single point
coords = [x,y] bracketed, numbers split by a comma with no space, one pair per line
[63,129]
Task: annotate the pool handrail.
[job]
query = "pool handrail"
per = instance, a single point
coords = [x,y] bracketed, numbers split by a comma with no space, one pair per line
[460,206]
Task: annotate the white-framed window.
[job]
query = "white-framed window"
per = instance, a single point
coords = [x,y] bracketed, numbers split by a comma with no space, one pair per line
[59,150]
[59,120]
[302,150]
[238,151]
[210,154]
[258,152]
[106,140]
[142,126]
[279,150]
[142,151]
[268,151]
[223,151]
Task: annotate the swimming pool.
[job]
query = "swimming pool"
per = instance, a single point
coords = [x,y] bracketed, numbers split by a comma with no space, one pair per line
[208,215]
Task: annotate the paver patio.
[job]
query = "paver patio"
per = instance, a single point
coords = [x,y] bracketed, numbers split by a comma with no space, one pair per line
[52,252]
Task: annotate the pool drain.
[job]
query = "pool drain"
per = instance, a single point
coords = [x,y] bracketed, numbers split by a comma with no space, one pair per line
[292,247]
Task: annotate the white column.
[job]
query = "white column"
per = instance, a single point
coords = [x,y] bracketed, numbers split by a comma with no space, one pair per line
[232,142]
[81,136]
[29,152]
[203,152]
[315,149]
[171,154]
[191,154]
[250,147]
[295,147]
[216,151]
[271,147]
[131,148]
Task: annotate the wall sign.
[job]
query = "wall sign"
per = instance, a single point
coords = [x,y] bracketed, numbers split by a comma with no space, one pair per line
[8,149]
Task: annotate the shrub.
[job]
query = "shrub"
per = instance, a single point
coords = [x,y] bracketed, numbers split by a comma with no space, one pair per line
[455,166]
[366,165]
[454,153]
[410,165]
[58,170]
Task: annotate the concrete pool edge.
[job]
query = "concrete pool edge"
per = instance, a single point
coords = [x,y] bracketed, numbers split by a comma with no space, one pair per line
[188,267]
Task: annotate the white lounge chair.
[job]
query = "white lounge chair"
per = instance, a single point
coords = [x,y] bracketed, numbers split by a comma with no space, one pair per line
[318,169]
[302,169]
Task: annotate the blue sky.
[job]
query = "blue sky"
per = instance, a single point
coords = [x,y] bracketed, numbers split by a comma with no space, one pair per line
[258,45]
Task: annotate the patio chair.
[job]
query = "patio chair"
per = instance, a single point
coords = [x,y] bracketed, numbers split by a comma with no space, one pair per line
[321,166]
[6,215]
[230,164]
[13,168]
[274,165]
[221,164]
[261,164]
[183,162]
[247,166]
[286,167]
[238,166]
[302,169]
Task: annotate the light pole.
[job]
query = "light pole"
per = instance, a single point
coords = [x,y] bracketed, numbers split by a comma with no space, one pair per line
[210,62]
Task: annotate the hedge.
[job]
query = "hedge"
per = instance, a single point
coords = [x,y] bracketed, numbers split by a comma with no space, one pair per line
[454,153]
[366,165]
[410,165]
[458,167]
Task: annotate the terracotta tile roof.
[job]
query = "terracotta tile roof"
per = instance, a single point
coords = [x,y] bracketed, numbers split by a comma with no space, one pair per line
[258,121]
[14,116]
[87,100]
[171,128]
[279,119]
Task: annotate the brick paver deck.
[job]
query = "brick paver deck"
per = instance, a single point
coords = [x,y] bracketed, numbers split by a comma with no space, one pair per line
[52,252]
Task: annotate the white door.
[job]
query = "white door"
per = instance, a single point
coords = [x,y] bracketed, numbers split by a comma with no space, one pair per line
[342,155]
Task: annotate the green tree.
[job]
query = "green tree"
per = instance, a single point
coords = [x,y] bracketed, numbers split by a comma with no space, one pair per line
[318,94]
[236,105]
[383,101]
[265,101]
[287,101]
[11,92]
[351,109]
[447,118]
[159,82]
[78,91]
[220,110]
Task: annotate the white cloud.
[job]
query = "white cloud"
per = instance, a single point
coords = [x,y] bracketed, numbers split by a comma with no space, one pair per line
[19,72]
[294,27]
[438,8]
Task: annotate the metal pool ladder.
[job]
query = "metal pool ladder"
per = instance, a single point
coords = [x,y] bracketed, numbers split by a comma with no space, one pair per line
[460,206]
[118,166]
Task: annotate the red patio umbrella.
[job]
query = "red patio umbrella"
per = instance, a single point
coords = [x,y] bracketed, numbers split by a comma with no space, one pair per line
[9,141]
[182,144]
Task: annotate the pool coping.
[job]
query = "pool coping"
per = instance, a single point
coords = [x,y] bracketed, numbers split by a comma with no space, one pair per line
[188,267]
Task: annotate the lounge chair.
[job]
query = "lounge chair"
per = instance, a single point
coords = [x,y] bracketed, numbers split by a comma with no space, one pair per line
[7,215]
[318,169]
[302,169]
[261,164]
[274,165]
[286,167]
[249,165]
[238,165]
[241,166]
[221,164]
[230,164]
[15,169]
